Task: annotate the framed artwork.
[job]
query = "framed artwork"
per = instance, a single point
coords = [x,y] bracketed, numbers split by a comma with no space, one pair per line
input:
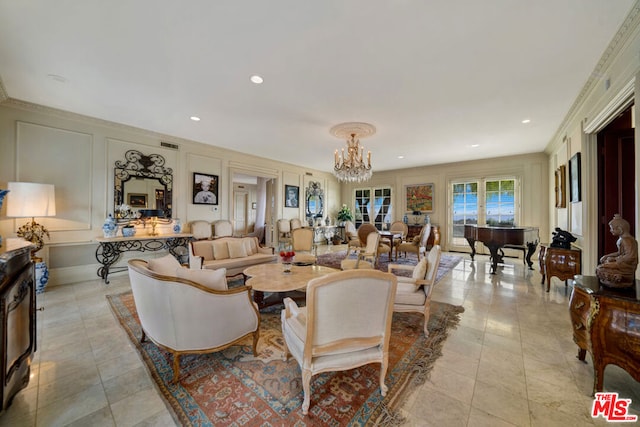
[137,200]
[574,178]
[419,198]
[561,198]
[291,196]
[205,189]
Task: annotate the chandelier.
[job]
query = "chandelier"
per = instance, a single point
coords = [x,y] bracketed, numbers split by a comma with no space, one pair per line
[350,165]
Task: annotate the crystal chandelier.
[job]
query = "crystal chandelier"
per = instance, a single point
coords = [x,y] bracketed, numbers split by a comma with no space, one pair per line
[350,165]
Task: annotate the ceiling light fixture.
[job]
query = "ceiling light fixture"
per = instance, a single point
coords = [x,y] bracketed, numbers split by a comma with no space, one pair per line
[195,118]
[525,121]
[351,166]
[257,79]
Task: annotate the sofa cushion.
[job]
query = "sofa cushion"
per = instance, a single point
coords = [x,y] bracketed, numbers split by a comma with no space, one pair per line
[220,249]
[250,245]
[204,249]
[212,279]
[165,265]
[409,294]
[241,263]
[237,249]
[420,270]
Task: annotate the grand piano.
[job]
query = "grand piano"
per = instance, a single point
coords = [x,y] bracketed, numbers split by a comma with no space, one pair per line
[496,238]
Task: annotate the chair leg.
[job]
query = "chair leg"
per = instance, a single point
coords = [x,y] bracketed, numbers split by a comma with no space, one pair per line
[256,337]
[143,337]
[176,367]
[383,374]
[306,388]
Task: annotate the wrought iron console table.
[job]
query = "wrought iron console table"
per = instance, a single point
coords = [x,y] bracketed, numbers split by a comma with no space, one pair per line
[111,248]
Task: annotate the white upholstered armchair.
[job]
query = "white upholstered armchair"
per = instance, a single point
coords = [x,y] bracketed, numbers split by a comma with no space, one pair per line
[340,328]
[419,243]
[303,245]
[414,293]
[191,311]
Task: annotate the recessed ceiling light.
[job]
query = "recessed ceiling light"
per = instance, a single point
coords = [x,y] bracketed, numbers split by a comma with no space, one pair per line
[475,145]
[195,118]
[256,79]
[525,121]
[401,157]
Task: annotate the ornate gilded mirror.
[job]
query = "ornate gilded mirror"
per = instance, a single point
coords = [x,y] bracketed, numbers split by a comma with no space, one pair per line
[143,182]
[314,197]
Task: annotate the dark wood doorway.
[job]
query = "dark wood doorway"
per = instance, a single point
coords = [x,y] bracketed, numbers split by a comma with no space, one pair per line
[616,178]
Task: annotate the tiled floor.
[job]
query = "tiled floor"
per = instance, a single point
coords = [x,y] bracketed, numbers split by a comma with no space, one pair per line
[511,361]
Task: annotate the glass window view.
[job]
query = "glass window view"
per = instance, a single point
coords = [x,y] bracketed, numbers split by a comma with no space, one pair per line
[498,209]
[376,210]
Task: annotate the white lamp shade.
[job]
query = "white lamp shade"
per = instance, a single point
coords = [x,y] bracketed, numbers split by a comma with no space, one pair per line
[29,199]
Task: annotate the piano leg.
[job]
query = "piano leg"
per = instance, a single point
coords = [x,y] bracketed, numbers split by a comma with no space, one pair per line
[496,258]
[472,243]
[531,249]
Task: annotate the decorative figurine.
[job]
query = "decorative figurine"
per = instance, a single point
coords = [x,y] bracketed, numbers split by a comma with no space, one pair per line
[617,269]
[562,239]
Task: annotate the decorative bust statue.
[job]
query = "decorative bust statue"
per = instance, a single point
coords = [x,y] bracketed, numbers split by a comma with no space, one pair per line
[617,269]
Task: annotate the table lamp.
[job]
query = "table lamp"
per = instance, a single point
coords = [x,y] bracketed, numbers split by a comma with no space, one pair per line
[33,200]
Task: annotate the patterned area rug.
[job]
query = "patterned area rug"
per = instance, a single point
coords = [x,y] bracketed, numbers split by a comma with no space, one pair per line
[233,388]
[447,262]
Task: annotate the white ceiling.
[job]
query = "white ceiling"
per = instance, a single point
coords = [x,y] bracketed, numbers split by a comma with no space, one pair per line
[434,76]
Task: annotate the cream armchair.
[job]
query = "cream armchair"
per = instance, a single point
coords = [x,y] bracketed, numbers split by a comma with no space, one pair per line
[396,227]
[284,232]
[303,245]
[183,316]
[222,228]
[414,293]
[367,256]
[351,235]
[418,245]
[339,329]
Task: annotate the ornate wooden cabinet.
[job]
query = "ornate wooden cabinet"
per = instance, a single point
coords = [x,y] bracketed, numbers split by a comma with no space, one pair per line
[559,262]
[18,314]
[606,322]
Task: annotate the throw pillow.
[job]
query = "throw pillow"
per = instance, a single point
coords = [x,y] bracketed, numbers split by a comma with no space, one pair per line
[212,279]
[236,249]
[165,265]
[420,270]
[220,249]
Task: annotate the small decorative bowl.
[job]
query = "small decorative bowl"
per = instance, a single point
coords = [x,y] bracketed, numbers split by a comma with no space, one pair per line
[128,231]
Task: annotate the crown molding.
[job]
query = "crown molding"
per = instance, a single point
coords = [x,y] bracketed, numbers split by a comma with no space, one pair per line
[3,92]
[619,40]
[67,115]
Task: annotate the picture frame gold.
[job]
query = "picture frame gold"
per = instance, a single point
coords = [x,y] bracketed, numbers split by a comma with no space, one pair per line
[560,187]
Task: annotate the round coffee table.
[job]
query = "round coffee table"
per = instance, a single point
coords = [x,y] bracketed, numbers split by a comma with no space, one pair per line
[272,278]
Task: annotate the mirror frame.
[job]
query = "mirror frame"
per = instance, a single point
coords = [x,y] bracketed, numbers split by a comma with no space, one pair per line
[312,190]
[138,165]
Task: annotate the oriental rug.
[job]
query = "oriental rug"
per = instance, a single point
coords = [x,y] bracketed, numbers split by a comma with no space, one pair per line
[234,388]
[447,262]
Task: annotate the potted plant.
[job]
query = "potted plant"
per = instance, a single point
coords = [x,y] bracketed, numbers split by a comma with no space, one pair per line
[344,214]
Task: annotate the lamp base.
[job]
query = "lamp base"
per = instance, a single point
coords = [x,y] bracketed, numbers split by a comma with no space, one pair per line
[42,276]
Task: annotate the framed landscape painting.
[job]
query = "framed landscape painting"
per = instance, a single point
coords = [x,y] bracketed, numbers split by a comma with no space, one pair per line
[419,197]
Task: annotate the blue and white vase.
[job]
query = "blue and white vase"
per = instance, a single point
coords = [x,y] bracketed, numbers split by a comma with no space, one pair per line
[128,231]
[177,225]
[110,227]
[405,219]
[42,276]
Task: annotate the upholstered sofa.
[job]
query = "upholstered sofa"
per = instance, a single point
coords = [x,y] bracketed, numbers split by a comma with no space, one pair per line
[233,253]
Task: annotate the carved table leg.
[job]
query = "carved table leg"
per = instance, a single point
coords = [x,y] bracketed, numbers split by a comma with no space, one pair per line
[531,249]
[581,355]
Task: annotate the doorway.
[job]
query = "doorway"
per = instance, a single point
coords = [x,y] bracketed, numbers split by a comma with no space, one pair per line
[616,178]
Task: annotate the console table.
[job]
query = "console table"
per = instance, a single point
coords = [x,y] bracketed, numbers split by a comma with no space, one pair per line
[606,322]
[560,262]
[18,318]
[111,248]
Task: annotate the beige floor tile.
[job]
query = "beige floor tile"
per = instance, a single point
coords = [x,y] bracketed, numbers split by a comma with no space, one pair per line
[501,403]
[137,407]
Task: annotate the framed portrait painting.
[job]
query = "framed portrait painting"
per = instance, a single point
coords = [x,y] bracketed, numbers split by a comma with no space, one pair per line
[205,189]
[419,198]
[574,178]
[291,196]
[561,197]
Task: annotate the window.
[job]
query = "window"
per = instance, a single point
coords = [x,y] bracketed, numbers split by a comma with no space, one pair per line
[376,210]
[483,201]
